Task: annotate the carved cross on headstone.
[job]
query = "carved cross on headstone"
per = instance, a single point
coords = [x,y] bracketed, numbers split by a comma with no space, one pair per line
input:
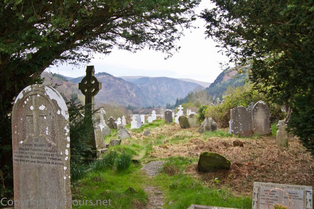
[89,86]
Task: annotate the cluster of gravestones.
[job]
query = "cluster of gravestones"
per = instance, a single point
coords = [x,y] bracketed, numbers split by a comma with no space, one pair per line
[103,129]
[190,120]
[41,154]
[255,120]
[252,120]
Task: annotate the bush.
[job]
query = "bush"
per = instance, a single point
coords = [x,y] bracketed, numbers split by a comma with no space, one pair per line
[105,163]
[240,96]
[302,120]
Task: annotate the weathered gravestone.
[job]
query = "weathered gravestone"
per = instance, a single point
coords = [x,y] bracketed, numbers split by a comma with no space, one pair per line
[123,132]
[184,122]
[105,130]
[112,123]
[241,121]
[162,113]
[261,118]
[210,162]
[282,134]
[208,125]
[101,146]
[41,149]
[168,116]
[90,86]
[300,196]
[193,121]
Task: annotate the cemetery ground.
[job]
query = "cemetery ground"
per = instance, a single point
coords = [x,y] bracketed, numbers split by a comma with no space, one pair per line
[179,184]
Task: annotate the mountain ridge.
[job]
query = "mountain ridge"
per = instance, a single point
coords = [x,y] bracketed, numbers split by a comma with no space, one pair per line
[140,92]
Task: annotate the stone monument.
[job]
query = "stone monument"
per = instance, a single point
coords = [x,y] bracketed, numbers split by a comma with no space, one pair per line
[41,149]
[90,86]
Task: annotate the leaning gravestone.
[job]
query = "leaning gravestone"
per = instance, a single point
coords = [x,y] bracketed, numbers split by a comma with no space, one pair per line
[123,132]
[300,196]
[211,162]
[240,121]
[168,116]
[282,134]
[184,122]
[41,149]
[261,118]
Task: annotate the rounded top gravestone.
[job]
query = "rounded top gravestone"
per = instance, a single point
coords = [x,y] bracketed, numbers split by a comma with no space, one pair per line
[41,148]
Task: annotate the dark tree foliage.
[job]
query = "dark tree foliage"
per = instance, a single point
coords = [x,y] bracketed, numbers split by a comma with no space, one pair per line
[277,39]
[36,34]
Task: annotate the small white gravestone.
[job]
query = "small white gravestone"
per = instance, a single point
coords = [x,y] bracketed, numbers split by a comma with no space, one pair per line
[154,116]
[134,122]
[150,119]
[142,119]
[179,113]
[139,122]
[265,194]
[123,120]
[188,112]
[119,121]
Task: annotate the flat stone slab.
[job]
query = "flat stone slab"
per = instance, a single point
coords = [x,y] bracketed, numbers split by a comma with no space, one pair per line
[300,196]
[206,207]
[152,168]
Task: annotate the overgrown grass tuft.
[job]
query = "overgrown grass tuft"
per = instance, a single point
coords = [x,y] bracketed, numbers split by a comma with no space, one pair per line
[123,162]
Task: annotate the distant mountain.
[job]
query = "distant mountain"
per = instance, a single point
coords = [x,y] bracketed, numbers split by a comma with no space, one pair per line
[134,79]
[139,91]
[202,83]
[228,77]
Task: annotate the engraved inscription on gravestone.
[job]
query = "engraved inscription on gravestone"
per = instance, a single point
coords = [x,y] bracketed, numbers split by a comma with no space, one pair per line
[41,148]
[300,196]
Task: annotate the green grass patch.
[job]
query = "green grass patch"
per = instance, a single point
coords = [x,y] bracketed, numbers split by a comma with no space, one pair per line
[183,191]
[113,186]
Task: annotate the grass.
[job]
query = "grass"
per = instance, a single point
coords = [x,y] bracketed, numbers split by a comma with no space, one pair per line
[182,190]
[112,177]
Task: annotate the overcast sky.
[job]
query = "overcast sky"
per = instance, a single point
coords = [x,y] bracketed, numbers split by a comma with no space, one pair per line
[197,59]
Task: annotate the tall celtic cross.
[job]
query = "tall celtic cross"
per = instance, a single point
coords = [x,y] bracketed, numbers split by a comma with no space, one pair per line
[89,86]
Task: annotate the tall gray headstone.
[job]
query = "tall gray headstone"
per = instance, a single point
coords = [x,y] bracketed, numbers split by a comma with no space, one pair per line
[41,149]
[168,116]
[261,118]
[240,121]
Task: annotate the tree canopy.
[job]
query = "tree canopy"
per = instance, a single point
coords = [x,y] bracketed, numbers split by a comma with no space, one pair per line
[277,39]
[36,34]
